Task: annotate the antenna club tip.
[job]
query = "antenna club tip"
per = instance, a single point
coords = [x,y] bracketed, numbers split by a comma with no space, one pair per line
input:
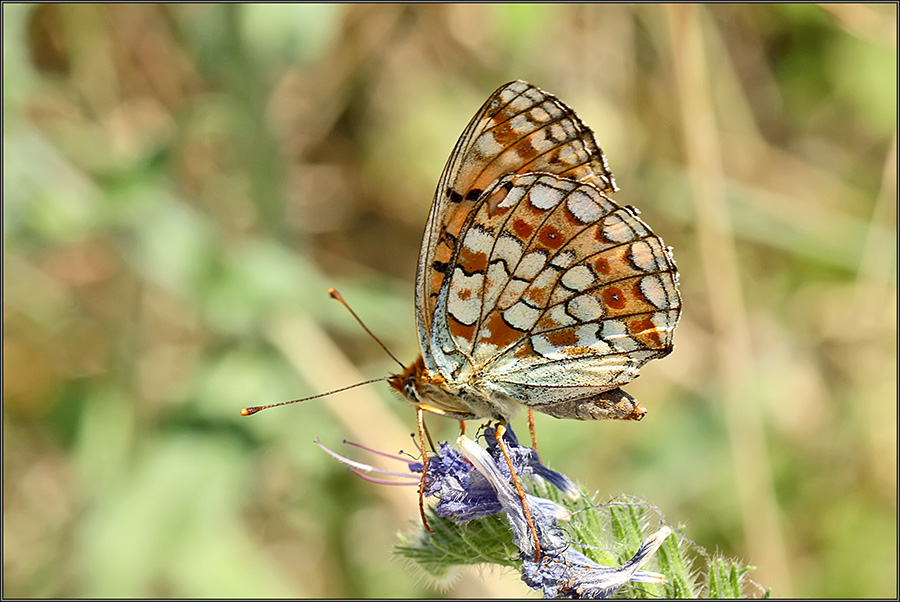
[333,293]
[250,411]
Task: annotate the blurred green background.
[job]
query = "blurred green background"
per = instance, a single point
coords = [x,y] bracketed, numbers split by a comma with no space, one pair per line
[183,183]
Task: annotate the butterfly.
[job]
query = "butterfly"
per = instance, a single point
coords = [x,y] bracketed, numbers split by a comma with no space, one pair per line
[534,288]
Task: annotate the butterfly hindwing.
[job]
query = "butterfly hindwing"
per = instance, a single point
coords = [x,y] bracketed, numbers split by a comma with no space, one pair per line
[554,286]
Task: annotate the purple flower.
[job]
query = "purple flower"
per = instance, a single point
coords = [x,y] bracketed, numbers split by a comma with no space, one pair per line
[568,573]
[544,513]
[475,483]
[561,571]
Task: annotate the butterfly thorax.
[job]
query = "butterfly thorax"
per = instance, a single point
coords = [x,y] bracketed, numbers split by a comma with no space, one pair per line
[461,400]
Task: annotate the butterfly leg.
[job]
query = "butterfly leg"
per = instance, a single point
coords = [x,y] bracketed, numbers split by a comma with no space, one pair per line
[420,420]
[531,430]
[498,435]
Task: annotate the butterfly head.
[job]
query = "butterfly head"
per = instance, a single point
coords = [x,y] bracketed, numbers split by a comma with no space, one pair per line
[434,394]
[409,382]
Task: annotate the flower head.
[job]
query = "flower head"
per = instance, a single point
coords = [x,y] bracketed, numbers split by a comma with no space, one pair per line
[561,571]
[567,573]
[475,482]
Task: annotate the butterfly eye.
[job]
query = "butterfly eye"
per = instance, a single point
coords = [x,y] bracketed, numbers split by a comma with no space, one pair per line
[410,391]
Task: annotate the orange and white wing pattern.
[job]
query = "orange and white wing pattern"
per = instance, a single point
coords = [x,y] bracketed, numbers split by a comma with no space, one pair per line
[532,282]
[519,129]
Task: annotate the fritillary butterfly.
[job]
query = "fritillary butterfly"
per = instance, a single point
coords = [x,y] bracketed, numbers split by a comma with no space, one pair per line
[534,288]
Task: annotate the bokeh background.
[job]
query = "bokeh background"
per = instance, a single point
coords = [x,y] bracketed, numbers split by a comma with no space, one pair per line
[182,184]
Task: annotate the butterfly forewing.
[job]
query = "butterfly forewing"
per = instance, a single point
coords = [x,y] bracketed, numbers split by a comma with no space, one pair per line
[519,129]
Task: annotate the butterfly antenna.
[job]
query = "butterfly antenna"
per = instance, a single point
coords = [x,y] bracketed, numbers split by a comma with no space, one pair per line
[337,297]
[254,409]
